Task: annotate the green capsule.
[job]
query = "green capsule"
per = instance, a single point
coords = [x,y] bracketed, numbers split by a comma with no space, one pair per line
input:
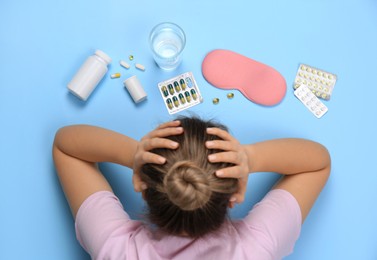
[193,94]
[170,103]
[188,97]
[183,84]
[176,102]
[176,86]
[165,91]
[171,89]
[182,98]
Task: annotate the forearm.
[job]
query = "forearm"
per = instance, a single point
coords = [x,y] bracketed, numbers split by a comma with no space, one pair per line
[94,144]
[287,156]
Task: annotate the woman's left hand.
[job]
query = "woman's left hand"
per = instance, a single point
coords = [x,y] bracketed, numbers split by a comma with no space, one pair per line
[154,139]
[235,153]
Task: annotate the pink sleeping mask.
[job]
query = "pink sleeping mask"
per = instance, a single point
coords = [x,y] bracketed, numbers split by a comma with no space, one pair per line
[258,82]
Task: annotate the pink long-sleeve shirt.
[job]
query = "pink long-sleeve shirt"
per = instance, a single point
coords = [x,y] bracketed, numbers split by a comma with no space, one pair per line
[269,231]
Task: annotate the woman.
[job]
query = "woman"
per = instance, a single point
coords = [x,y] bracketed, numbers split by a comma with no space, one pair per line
[189,171]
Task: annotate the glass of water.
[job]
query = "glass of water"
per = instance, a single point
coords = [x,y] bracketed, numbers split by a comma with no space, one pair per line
[167,41]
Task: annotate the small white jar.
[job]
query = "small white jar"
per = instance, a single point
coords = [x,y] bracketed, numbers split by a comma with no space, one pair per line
[89,75]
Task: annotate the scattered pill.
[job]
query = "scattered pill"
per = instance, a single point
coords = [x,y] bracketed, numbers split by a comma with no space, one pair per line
[115,75]
[131,57]
[230,95]
[124,64]
[215,101]
[139,66]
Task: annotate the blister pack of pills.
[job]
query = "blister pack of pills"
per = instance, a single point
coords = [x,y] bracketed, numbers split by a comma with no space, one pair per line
[320,82]
[306,96]
[180,92]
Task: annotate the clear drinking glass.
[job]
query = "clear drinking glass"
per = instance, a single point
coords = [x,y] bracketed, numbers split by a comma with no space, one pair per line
[167,41]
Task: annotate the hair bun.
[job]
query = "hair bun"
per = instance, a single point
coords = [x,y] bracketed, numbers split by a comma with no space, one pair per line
[187,186]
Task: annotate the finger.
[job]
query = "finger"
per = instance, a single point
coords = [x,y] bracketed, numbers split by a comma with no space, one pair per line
[222,145]
[148,157]
[230,172]
[227,157]
[239,196]
[164,132]
[169,124]
[138,184]
[159,143]
[220,133]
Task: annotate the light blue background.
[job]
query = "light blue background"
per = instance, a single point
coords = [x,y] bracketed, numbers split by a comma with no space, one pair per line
[43,43]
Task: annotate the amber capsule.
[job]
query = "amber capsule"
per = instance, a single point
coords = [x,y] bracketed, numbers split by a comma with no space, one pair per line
[182,98]
[176,102]
[176,86]
[183,84]
[230,95]
[165,91]
[171,89]
[193,94]
[170,103]
[188,97]
[215,101]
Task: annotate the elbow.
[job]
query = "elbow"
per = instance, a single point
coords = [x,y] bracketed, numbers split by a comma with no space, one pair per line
[326,161]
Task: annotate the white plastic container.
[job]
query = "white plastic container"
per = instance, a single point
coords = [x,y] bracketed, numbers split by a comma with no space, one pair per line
[135,89]
[89,75]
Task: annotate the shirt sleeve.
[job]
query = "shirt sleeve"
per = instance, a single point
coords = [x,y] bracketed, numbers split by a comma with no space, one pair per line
[100,216]
[277,220]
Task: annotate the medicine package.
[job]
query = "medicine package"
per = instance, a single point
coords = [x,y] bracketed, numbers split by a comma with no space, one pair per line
[320,82]
[180,92]
[306,96]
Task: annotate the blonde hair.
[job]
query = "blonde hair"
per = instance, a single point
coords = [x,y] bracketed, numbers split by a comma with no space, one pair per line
[184,195]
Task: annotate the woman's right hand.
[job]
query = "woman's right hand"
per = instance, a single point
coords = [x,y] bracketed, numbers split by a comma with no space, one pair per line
[235,153]
[154,139]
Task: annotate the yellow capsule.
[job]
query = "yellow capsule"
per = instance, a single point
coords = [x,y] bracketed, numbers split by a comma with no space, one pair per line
[131,57]
[171,89]
[183,84]
[215,101]
[176,86]
[320,73]
[182,98]
[176,102]
[296,86]
[165,91]
[115,75]
[188,97]
[170,103]
[303,67]
[301,74]
[230,95]
[193,94]
[330,77]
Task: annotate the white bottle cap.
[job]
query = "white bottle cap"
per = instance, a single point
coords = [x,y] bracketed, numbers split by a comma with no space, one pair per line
[135,89]
[103,56]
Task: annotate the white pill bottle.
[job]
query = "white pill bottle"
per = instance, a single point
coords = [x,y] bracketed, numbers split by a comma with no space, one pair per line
[89,75]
